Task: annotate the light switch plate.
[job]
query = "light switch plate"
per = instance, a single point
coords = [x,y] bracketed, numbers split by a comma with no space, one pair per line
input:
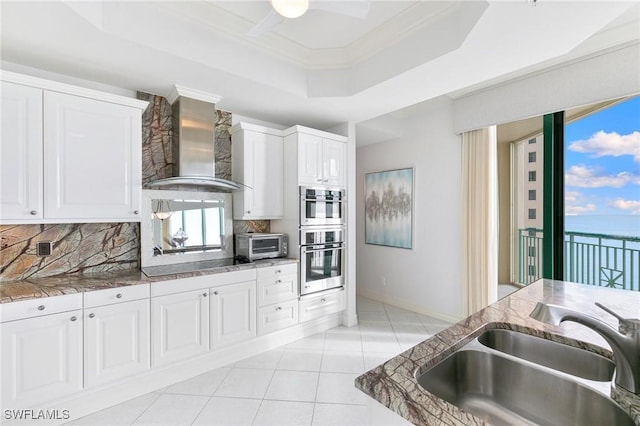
[44,248]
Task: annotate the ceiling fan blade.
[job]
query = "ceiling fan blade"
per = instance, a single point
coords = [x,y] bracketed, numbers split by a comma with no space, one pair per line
[269,22]
[354,8]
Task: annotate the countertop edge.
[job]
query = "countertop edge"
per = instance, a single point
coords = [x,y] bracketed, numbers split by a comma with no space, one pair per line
[58,285]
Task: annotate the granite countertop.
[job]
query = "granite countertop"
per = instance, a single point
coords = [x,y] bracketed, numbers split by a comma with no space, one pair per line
[393,383]
[79,283]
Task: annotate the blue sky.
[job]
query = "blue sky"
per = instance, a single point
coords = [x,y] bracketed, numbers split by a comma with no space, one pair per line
[602,161]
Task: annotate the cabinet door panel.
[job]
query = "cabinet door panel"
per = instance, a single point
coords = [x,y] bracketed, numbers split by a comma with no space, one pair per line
[116,341]
[333,162]
[180,326]
[233,310]
[41,359]
[20,152]
[276,317]
[309,159]
[93,158]
[263,167]
[260,167]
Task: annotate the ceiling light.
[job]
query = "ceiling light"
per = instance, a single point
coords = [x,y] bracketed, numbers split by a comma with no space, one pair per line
[290,8]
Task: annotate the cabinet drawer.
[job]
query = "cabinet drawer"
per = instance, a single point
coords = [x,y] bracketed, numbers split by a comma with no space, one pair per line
[320,306]
[115,295]
[278,316]
[37,307]
[277,271]
[180,285]
[276,290]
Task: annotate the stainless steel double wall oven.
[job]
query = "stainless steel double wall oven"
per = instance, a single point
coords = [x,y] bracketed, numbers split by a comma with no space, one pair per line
[322,221]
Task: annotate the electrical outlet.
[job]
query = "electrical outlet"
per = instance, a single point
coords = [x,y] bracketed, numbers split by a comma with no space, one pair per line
[44,248]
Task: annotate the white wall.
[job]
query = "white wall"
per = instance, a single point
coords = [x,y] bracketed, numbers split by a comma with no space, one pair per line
[427,278]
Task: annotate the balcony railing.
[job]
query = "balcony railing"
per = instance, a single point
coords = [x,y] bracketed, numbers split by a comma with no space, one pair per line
[594,259]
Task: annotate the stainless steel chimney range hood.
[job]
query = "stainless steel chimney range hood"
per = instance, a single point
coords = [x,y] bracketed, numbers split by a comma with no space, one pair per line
[193,143]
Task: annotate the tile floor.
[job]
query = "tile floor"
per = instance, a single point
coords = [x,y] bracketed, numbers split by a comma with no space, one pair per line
[307,382]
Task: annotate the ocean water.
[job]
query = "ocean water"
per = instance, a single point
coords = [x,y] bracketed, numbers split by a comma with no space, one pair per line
[621,225]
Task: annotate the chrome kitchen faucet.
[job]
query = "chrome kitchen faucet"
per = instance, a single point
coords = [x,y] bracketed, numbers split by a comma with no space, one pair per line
[625,342]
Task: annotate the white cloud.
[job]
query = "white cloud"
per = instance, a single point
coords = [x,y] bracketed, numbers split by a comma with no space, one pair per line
[590,177]
[574,203]
[633,205]
[601,144]
[580,209]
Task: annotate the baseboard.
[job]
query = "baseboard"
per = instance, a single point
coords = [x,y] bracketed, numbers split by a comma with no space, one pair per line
[404,305]
[99,398]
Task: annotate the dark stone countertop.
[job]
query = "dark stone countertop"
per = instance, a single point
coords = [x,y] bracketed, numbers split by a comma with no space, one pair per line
[393,383]
[79,283]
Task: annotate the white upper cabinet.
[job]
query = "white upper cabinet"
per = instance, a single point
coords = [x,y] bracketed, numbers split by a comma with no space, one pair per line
[334,155]
[257,163]
[93,166]
[21,152]
[68,154]
[321,157]
[310,160]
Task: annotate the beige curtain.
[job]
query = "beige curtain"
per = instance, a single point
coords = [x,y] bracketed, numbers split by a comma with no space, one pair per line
[480,216]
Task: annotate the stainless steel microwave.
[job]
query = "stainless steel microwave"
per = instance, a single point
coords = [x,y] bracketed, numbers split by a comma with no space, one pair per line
[321,206]
[255,246]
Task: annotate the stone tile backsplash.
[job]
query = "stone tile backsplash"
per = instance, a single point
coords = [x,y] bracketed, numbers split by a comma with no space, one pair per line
[87,247]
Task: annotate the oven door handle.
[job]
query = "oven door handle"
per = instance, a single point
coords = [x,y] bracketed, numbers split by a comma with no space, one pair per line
[323,199]
[325,247]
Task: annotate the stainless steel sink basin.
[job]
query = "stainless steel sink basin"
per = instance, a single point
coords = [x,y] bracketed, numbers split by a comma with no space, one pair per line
[568,359]
[504,391]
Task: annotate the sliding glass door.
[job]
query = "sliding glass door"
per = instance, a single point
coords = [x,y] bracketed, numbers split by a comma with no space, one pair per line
[574,201]
[601,241]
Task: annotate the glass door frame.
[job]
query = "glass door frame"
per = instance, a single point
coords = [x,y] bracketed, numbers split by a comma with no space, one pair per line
[553,196]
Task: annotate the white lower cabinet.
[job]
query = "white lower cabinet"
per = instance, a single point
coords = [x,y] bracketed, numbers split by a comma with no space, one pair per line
[41,359]
[116,340]
[277,298]
[233,313]
[319,306]
[180,326]
[276,317]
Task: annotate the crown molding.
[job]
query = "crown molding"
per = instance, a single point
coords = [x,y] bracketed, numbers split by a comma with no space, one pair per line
[55,86]
[178,91]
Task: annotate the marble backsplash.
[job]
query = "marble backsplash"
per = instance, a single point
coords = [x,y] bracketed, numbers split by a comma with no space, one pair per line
[157,128]
[87,247]
[112,246]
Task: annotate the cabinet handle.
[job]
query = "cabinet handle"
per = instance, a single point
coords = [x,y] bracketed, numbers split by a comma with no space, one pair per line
[279,308]
[279,271]
[323,300]
[41,308]
[205,294]
[248,211]
[326,180]
[215,292]
[119,295]
[92,315]
[136,212]
[73,318]
[278,281]
[33,212]
[318,180]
